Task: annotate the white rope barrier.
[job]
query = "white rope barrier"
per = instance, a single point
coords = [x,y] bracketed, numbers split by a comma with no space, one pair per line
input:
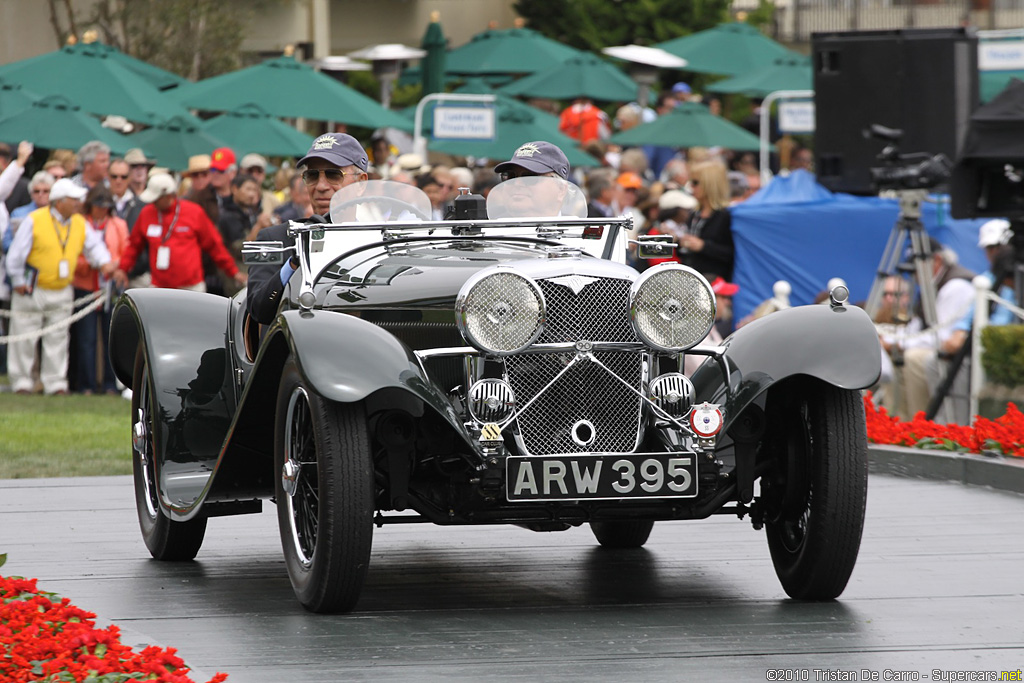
[96,299]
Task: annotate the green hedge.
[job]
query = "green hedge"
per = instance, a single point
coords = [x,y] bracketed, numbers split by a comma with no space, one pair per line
[1003,358]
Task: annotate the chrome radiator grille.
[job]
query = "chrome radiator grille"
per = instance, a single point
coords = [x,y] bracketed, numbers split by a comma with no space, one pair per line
[599,312]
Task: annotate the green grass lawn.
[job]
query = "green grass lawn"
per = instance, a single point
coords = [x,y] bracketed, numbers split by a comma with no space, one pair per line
[64,436]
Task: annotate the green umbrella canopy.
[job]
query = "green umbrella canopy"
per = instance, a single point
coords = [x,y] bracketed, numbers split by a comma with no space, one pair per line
[432,66]
[479,86]
[285,87]
[175,140]
[14,98]
[584,75]
[689,125]
[511,51]
[94,76]
[732,49]
[792,72]
[251,129]
[515,124]
[53,122]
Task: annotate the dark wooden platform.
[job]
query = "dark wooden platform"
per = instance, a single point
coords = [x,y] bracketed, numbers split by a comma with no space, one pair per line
[939,585]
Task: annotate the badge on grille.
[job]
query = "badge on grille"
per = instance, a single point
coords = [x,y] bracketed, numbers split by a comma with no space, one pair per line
[490,432]
[574,282]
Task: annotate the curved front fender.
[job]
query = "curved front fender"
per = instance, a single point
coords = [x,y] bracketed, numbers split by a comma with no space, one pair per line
[837,346]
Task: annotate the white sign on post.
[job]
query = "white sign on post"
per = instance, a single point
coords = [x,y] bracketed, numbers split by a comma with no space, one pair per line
[464,123]
[796,116]
[1001,55]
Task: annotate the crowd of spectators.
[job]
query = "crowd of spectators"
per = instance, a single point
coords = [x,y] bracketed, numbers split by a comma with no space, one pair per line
[144,226]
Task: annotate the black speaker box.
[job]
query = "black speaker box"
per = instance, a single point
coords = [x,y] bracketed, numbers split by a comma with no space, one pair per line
[922,81]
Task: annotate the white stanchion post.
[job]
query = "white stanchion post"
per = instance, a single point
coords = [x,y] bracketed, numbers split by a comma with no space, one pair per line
[982,287]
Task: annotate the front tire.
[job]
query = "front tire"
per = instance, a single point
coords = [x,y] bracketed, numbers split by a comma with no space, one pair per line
[818,493]
[619,534]
[165,538]
[325,493]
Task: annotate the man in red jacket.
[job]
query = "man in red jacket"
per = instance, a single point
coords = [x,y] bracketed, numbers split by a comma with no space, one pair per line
[177,232]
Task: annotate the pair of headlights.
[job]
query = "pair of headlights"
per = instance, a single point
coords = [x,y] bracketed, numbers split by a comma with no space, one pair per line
[501,311]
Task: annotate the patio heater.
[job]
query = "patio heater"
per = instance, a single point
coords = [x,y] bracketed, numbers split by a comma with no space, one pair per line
[644,63]
[387,64]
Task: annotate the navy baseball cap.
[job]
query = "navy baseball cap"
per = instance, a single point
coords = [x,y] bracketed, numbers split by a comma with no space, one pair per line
[537,157]
[339,149]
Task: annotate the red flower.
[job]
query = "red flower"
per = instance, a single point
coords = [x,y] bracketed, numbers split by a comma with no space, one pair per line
[44,638]
[1004,434]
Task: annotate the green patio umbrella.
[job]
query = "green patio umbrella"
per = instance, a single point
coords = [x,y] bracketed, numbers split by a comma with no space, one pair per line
[509,51]
[432,66]
[53,122]
[689,125]
[515,124]
[479,86]
[732,49]
[288,88]
[14,98]
[175,140]
[94,76]
[584,75]
[250,128]
[792,72]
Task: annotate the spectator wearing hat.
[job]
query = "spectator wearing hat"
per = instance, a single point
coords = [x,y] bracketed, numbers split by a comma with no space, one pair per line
[682,91]
[223,170]
[87,331]
[674,209]
[993,234]
[95,159]
[334,161]
[139,166]
[241,220]
[177,233]
[41,263]
[201,190]
[255,165]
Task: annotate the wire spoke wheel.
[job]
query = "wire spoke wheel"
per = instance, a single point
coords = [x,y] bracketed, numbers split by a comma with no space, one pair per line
[324,492]
[165,538]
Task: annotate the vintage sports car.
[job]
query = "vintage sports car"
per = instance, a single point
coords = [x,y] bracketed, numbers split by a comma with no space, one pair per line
[504,367]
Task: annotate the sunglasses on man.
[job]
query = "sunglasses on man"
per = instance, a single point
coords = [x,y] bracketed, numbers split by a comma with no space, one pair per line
[311,176]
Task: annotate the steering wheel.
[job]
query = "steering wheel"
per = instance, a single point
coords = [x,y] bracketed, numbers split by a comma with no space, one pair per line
[396,205]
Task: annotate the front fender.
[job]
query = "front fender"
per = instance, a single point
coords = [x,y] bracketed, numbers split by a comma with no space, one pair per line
[839,346]
[343,358]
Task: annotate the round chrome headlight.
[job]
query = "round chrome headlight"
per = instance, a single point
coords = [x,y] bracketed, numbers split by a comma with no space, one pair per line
[500,311]
[672,307]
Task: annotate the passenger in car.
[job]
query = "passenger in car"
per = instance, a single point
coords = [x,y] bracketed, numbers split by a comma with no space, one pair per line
[334,161]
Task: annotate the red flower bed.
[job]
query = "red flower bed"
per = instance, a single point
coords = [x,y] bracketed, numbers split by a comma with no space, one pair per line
[1003,435]
[45,638]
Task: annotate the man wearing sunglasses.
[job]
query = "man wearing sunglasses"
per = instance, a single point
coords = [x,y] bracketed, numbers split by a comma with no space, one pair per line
[335,160]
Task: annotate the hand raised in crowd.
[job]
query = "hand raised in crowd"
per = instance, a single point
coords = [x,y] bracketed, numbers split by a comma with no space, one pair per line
[120,277]
[25,150]
[108,268]
[241,278]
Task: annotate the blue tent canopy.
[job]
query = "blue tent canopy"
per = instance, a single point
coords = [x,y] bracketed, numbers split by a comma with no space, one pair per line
[796,230]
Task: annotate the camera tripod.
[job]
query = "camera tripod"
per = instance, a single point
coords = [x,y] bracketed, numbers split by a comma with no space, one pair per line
[908,227]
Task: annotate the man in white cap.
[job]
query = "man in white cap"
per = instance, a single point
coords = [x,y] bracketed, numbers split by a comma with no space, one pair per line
[334,161]
[255,165]
[41,263]
[176,232]
[992,235]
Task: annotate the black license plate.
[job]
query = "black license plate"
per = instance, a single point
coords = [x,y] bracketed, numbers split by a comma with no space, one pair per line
[601,477]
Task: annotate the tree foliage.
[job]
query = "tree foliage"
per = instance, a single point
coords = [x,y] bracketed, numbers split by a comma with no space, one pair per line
[193,38]
[593,24]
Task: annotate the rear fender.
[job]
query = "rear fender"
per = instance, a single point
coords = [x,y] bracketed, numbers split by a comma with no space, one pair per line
[839,346]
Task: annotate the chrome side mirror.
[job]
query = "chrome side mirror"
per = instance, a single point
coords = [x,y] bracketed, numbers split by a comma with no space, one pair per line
[270,253]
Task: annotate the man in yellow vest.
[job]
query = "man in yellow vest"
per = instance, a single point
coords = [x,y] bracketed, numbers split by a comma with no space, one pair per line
[41,263]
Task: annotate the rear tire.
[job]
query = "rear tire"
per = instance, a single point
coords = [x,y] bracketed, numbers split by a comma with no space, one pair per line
[632,533]
[325,494]
[818,493]
[165,538]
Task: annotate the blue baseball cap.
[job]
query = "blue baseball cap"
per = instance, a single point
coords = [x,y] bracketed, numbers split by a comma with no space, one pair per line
[339,149]
[537,157]
[681,88]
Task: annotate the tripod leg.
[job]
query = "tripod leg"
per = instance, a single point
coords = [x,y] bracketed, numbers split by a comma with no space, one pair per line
[952,368]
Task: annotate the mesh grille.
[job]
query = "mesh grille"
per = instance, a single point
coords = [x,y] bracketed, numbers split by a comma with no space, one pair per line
[598,313]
